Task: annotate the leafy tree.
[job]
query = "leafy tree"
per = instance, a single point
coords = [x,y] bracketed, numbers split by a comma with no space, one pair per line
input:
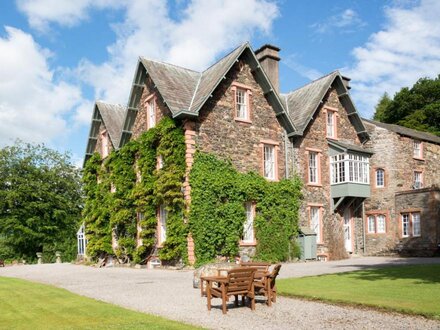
[417,108]
[40,202]
[381,107]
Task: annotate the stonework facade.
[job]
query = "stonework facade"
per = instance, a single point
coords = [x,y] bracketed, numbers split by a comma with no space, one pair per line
[368,224]
[218,132]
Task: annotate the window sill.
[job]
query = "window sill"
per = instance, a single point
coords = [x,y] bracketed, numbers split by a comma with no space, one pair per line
[272,180]
[241,120]
[418,158]
[319,185]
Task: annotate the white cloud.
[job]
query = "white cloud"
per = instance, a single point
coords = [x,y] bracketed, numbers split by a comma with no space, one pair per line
[345,22]
[32,102]
[406,49]
[206,30]
[302,70]
[41,13]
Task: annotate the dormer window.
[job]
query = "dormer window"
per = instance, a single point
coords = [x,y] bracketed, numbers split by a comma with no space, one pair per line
[417,149]
[331,124]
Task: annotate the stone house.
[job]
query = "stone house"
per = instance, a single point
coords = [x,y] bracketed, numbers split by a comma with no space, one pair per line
[234,110]
[403,213]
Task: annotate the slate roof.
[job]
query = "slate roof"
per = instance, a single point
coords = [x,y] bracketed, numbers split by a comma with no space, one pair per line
[423,136]
[303,102]
[112,116]
[185,91]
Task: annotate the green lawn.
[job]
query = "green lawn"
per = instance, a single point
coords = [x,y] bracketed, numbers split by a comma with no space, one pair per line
[28,305]
[407,289]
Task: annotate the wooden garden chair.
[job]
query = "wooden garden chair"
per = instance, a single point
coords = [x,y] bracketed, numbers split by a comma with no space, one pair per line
[267,285]
[2,263]
[239,281]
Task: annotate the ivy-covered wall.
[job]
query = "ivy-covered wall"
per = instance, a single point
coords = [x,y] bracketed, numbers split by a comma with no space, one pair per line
[128,183]
[217,213]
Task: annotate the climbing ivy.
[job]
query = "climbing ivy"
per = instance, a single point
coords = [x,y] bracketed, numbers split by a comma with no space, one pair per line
[128,184]
[217,215]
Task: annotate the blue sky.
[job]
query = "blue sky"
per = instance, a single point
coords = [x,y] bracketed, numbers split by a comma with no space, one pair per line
[59,56]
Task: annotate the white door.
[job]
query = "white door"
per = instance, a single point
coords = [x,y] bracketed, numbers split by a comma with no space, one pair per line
[347,231]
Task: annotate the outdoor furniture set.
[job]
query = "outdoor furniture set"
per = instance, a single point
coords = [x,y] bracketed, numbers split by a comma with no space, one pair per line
[248,280]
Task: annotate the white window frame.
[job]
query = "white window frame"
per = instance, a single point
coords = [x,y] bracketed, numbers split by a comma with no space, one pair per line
[417,149]
[331,124]
[163,215]
[269,161]
[371,224]
[160,162]
[313,167]
[418,180]
[416,228]
[241,104]
[315,221]
[81,240]
[151,113]
[380,178]
[405,218]
[349,167]
[381,224]
[248,226]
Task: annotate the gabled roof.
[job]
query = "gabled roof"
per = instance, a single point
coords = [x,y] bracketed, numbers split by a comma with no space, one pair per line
[185,91]
[303,103]
[423,136]
[112,117]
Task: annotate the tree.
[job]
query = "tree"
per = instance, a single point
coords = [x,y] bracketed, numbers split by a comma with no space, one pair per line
[40,202]
[417,108]
[381,107]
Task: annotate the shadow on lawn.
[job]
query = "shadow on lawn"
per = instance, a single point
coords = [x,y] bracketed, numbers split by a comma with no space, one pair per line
[421,273]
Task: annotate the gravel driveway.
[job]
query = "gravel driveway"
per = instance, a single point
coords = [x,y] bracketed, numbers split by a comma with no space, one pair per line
[170,294]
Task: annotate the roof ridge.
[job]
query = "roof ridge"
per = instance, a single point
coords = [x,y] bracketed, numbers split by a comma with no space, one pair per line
[169,64]
[311,82]
[225,56]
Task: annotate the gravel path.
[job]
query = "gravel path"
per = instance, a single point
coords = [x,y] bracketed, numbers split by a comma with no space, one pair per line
[170,294]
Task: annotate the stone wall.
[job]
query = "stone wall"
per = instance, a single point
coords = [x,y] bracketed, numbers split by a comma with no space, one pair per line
[427,202]
[394,154]
[219,133]
[315,139]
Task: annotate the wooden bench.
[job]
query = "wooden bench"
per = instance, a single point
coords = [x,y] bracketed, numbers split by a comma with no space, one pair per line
[267,286]
[238,282]
[258,266]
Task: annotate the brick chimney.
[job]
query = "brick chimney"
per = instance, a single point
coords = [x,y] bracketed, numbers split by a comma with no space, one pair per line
[268,57]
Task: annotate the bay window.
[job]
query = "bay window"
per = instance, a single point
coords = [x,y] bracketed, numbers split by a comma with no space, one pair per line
[349,168]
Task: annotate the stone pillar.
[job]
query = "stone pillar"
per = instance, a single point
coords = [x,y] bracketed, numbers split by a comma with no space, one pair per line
[190,144]
[40,258]
[58,257]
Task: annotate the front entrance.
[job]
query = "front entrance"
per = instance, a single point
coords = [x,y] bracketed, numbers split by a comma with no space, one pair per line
[347,231]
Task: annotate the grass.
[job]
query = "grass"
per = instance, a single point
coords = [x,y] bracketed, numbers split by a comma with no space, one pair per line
[405,289]
[28,305]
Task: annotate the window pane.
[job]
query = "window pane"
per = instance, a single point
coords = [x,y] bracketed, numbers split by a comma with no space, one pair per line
[381,224]
[269,162]
[417,149]
[371,224]
[248,230]
[313,169]
[163,214]
[330,124]
[379,178]
[405,225]
[241,104]
[315,222]
[151,114]
[417,180]
[416,224]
